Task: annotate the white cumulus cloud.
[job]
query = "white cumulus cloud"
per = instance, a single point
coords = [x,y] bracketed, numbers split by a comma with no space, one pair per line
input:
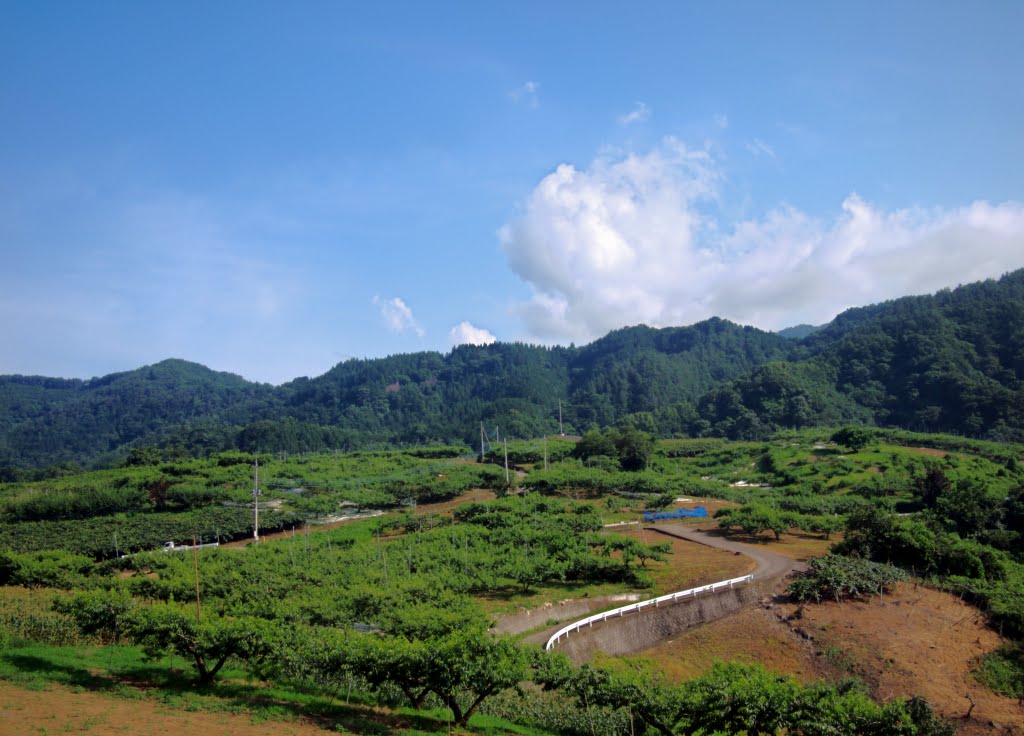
[397,315]
[466,333]
[639,114]
[639,238]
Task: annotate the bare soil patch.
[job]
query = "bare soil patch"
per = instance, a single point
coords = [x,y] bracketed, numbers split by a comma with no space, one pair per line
[447,507]
[60,710]
[916,641]
[751,635]
[928,451]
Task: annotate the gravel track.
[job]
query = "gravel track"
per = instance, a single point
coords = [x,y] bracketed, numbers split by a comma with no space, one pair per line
[769,564]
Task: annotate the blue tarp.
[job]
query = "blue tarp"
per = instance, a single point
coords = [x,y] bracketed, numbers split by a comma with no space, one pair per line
[677,514]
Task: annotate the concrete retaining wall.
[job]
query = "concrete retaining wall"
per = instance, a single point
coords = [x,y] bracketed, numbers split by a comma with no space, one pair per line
[641,630]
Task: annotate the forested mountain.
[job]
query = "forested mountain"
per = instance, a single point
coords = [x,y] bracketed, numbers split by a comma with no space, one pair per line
[952,362]
[799,332]
[47,420]
[410,398]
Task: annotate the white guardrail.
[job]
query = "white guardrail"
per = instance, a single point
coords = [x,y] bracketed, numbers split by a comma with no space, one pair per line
[618,612]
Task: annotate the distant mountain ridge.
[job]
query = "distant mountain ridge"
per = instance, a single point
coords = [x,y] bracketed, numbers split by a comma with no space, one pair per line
[953,361]
[799,332]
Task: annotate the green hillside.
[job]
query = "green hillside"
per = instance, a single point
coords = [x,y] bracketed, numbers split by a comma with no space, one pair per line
[951,362]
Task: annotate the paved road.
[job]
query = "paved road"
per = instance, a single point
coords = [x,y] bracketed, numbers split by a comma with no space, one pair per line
[769,564]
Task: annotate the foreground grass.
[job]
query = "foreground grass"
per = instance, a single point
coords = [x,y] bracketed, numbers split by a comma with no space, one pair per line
[123,672]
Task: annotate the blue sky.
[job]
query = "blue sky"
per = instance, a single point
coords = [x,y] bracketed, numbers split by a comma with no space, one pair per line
[270,189]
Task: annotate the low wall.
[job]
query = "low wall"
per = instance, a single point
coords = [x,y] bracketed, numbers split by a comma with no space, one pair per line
[650,626]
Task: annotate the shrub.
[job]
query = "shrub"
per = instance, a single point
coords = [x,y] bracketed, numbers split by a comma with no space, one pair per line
[839,577]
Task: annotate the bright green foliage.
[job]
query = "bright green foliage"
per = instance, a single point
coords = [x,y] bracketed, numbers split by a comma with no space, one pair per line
[523,452]
[824,525]
[166,627]
[651,700]
[49,568]
[735,698]
[98,613]
[1003,671]
[856,438]
[753,519]
[209,643]
[461,667]
[661,501]
[838,577]
[95,537]
[467,667]
[631,447]
[410,579]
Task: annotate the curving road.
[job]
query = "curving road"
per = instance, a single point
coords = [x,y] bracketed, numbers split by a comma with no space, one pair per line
[769,564]
[623,635]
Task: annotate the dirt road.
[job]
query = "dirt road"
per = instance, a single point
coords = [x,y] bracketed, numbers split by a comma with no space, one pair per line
[769,564]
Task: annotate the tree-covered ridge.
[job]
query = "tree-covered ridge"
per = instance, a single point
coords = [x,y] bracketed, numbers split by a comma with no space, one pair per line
[643,369]
[401,399]
[799,332]
[44,420]
[905,360]
[952,362]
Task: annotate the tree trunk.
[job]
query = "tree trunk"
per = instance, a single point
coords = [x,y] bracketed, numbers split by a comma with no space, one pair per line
[456,710]
[476,704]
[655,724]
[416,699]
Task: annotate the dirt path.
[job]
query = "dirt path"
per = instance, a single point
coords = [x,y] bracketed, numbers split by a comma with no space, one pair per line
[769,564]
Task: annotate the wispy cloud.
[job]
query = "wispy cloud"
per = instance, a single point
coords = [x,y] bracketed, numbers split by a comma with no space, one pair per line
[397,315]
[759,148]
[640,238]
[466,333]
[721,120]
[639,114]
[526,94]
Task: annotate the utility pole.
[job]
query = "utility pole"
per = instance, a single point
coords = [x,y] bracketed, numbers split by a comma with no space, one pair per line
[195,561]
[545,452]
[560,431]
[481,441]
[506,461]
[116,553]
[256,500]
